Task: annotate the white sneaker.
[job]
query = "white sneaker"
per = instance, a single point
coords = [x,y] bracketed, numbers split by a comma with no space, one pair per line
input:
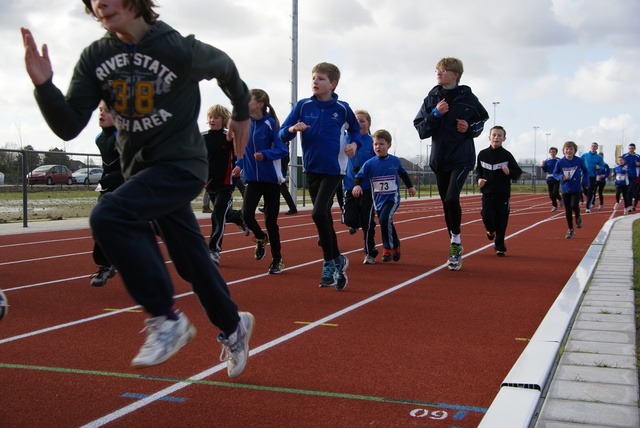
[587,211]
[4,306]
[235,348]
[615,207]
[554,209]
[600,208]
[165,337]
[369,260]
[215,256]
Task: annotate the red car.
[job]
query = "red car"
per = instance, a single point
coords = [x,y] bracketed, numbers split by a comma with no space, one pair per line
[50,174]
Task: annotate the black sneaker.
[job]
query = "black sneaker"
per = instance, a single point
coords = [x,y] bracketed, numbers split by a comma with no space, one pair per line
[396,254]
[569,234]
[291,212]
[276,266]
[579,222]
[100,278]
[328,275]
[341,277]
[500,253]
[353,230]
[260,247]
[491,235]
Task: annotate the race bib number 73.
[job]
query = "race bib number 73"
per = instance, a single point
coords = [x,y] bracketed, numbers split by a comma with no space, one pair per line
[385,184]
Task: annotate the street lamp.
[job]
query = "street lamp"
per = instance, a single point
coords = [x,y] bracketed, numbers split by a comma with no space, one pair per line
[495,103]
[547,134]
[533,175]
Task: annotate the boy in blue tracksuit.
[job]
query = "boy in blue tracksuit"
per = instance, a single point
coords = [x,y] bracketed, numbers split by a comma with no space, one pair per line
[262,174]
[382,173]
[325,124]
[572,174]
[632,160]
[548,166]
[621,174]
[594,163]
[360,212]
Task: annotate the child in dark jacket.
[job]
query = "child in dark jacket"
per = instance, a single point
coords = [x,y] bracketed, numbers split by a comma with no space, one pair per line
[148,74]
[111,179]
[573,175]
[496,169]
[452,117]
[220,186]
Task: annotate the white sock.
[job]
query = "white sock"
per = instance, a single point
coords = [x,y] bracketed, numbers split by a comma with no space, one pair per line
[455,239]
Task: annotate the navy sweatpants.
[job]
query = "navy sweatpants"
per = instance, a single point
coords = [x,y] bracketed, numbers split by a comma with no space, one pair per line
[121,223]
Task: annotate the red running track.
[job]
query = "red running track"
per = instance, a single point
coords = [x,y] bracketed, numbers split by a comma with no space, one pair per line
[405,344]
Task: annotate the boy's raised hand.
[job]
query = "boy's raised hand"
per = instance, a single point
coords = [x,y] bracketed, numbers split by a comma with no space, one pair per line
[38,66]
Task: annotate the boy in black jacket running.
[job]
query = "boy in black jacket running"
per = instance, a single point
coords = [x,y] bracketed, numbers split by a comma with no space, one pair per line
[496,168]
[148,74]
[452,116]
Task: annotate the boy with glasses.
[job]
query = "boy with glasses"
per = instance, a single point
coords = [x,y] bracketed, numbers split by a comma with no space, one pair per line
[452,116]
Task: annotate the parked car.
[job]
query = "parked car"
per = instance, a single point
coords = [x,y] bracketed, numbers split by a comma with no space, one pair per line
[87,175]
[50,174]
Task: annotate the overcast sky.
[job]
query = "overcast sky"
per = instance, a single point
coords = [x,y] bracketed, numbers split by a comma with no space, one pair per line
[569,67]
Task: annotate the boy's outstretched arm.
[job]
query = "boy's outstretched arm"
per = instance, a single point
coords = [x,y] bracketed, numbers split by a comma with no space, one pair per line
[38,66]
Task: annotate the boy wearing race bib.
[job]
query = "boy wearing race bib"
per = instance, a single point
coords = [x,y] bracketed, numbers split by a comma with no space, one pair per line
[621,174]
[382,172]
[573,175]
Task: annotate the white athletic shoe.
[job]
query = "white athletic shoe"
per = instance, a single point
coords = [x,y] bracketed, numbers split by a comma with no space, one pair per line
[4,306]
[165,337]
[235,348]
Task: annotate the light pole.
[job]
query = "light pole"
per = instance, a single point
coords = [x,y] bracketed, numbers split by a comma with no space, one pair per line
[495,103]
[547,134]
[533,175]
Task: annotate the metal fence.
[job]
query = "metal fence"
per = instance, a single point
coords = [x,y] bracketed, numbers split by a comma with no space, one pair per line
[424,181]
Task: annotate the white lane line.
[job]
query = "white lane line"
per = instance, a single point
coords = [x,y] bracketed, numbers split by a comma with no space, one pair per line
[180,385]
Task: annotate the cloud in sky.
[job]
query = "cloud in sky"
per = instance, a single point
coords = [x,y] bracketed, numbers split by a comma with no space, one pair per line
[566,66]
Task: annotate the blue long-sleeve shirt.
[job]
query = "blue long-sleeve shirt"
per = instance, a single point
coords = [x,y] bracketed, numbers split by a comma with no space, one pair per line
[630,160]
[591,160]
[263,139]
[331,123]
[621,172]
[548,168]
[603,173]
[575,173]
[382,173]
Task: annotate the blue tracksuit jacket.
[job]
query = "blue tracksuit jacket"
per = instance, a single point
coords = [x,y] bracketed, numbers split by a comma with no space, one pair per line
[576,173]
[324,142]
[263,138]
